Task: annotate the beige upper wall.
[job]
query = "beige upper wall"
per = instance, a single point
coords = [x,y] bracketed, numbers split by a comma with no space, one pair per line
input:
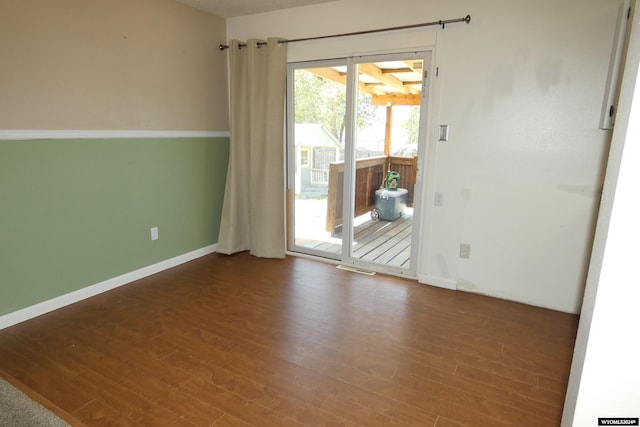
[111,64]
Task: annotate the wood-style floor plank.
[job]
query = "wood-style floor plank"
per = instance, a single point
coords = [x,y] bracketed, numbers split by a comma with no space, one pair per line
[242,341]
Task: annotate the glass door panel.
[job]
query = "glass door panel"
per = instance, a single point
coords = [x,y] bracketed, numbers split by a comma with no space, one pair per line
[387,119]
[316,117]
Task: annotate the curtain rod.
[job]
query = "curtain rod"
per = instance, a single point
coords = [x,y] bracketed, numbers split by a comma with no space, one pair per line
[441,22]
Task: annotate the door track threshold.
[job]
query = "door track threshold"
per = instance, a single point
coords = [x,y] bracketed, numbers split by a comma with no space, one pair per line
[355,270]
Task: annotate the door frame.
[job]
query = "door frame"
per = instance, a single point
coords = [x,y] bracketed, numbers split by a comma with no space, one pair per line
[427,54]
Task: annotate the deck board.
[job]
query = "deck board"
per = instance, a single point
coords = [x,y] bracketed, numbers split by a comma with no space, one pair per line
[376,240]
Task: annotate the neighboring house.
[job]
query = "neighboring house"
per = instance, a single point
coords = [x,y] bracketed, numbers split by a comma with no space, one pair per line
[316,148]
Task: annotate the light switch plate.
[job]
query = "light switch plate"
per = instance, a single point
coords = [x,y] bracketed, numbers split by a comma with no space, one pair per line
[444,133]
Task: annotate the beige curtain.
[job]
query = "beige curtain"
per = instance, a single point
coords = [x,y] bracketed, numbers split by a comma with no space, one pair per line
[253,207]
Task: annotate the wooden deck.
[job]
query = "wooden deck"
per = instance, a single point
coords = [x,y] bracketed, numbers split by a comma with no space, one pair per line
[378,241]
[370,173]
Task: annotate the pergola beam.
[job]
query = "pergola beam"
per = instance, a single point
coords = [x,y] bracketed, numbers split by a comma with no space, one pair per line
[386,79]
[338,77]
[413,99]
[397,70]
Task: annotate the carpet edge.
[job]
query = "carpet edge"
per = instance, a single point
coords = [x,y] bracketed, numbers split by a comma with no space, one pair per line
[38,398]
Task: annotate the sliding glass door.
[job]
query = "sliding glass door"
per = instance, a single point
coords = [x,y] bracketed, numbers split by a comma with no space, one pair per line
[316,104]
[354,132]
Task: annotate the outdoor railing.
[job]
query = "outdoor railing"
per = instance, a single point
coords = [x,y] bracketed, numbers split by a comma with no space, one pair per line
[370,173]
[319,176]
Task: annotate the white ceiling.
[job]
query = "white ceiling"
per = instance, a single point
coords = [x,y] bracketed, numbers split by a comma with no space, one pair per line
[231,8]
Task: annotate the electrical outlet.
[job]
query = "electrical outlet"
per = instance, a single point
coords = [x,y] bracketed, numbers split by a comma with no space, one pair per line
[154,233]
[465,250]
[438,198]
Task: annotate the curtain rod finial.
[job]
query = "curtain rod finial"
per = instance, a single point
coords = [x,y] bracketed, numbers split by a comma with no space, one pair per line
[467,19]
[222,47]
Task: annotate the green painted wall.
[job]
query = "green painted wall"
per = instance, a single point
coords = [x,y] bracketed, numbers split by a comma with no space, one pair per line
[74,213]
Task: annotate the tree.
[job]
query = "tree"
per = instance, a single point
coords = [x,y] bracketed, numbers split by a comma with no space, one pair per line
[412,124]
[318,100]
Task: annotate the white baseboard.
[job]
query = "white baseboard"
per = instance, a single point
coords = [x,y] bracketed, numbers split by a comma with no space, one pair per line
[92,290]
[440,282]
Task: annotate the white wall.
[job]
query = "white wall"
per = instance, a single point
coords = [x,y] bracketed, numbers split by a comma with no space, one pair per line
[605,373]
[521,87]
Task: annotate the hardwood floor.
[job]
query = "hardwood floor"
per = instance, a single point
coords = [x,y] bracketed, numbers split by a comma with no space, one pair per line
[239,341]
